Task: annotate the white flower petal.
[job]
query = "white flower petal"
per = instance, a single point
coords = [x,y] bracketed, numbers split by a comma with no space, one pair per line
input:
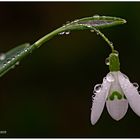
[99,102]
[131,93]
[117,108]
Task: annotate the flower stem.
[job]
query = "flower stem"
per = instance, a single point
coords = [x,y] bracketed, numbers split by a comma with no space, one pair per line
[105,38]
[49,36]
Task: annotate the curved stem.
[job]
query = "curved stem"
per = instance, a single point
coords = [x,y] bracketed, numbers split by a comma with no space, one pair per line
[105,38]
[49,36]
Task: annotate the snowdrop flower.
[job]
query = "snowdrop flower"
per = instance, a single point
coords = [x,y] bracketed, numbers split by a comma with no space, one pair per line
[116,91]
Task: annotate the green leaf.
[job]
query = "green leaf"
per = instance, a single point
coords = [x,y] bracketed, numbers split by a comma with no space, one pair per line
[12,57]
[89,23]
[96,21]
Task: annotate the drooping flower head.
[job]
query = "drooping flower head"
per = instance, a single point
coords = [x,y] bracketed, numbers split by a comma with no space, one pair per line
[116,91]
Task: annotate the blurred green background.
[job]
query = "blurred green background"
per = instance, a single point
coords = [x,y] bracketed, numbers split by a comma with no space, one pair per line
[49,93]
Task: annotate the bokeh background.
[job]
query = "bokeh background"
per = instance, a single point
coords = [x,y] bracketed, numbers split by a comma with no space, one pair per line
[49,93]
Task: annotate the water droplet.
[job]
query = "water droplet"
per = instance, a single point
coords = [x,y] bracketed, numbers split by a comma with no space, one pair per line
[2,56]
[111,43]
[92,31]
[97,33]
[8,60]
[67,22]
[96,16]
[107,61]
[87,25]
[104,79]
[125,76]
[17,63]
[67,33]
[116,52]
[110,77]
[93,96]
[76,20]
[97,88]
[136,85]
[13,58]
[27,49]
[63,25]
[62,33]
[18,54]
[13,67]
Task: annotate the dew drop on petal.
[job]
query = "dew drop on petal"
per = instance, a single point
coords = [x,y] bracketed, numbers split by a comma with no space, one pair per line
[107,61]
[136,85]
[2,56]
[97,88]
[125,76]
[110,77]
[93,96]
[104,79]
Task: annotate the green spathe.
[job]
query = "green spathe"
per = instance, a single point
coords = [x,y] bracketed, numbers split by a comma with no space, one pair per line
[114,64]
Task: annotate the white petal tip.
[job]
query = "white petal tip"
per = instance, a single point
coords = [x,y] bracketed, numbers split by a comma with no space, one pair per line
[99,102]
[131,93]
[94,116]
[117,108]
[93,123]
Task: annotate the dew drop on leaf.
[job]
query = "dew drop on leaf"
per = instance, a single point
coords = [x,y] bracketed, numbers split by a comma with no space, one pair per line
[96,16]
[116,52]
[67,33]
[67,22]
[17,63]
[97,33]
[76,20]
[92,31]
[13,67]
[2,56]
[8,60]
[62,33]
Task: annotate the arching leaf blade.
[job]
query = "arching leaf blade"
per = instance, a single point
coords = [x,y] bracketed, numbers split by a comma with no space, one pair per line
[89,23]
[98,22]
[12,57]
